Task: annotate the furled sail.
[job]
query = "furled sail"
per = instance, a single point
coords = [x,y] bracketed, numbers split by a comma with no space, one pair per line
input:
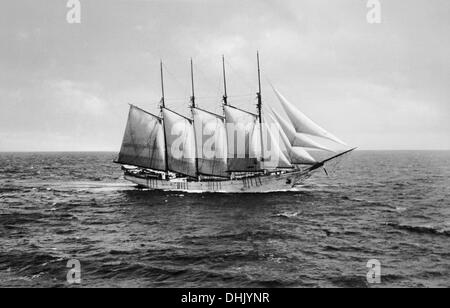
[143,141]
[297,139]
[302,123]
[211,141]
[297,155]
[241,135]
[180,143]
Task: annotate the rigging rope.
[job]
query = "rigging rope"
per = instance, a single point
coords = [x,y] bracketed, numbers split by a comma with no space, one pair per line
[245,80]
[248,99]
[185,88]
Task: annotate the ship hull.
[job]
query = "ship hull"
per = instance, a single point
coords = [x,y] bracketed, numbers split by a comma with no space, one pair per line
[255,184]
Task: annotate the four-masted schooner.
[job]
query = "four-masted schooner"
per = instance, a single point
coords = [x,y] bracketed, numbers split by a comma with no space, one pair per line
[237,152]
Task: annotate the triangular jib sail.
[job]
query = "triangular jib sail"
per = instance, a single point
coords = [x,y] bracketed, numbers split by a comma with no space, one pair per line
[297,155]
[297,139]
[302,123]
[143,141]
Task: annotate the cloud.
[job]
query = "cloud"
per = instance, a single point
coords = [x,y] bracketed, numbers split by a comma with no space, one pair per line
[75,97]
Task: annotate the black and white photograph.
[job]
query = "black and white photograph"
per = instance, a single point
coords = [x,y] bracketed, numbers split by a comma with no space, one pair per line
[224,149]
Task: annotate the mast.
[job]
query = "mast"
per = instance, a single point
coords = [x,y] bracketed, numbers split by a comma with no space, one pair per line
[162,87]
[192,84]
[192,111]
[259,106]
[225,96]
[162,106]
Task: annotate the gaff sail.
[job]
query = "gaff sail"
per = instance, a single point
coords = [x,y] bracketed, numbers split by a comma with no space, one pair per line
[241,135]
[180,143]
[211,141]
[302,123]
[143,141]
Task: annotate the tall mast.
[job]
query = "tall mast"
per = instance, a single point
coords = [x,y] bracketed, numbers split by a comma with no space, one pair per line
[163,103]
[162,106]
[259,106]
[192,111]
[192,83]
[225,96]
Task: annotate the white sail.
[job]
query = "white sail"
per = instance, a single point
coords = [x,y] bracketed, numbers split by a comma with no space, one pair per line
[143,141]
[180,143]
[302,123]
[211,140]
[296,139]
[273,156]
[297,155]
[241,140]
[284,141]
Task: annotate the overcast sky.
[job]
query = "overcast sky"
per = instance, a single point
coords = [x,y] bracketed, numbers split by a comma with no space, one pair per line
[376,86]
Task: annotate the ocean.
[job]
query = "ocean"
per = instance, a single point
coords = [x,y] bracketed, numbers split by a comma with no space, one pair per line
[390,206]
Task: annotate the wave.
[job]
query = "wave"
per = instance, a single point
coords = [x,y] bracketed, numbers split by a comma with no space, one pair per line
[9,189]
[16,219]
[162,275]
[246,235]
[27,263]
[288,214]
[341,248]
[375,204]
[424,229]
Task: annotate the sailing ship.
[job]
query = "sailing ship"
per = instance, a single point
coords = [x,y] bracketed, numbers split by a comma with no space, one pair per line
[234,152]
